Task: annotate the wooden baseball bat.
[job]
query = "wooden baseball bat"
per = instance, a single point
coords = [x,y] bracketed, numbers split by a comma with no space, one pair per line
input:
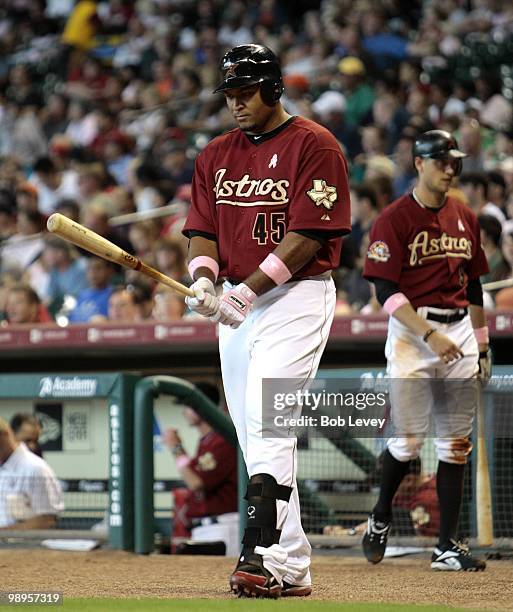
[86,239]
[483,488]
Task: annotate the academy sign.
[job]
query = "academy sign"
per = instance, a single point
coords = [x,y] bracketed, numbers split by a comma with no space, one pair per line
[60,386]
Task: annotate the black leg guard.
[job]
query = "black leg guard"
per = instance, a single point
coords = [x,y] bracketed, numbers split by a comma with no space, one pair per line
[250,577]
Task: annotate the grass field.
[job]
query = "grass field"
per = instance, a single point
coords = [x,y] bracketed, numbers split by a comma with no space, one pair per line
[209,605]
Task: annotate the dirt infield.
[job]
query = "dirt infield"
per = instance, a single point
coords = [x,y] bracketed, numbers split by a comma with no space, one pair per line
[117,574]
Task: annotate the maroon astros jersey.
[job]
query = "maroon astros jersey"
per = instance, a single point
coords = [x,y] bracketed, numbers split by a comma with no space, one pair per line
[430,254]
[249,194]
[216,464]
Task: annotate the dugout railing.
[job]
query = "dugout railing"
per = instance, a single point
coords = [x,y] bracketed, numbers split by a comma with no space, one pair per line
[146,392]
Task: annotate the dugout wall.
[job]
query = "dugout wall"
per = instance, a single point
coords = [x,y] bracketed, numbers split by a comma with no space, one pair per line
[93,437]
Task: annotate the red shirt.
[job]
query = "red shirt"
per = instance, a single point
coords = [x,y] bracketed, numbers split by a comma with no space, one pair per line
[249,194]
[216,464]
[430,254]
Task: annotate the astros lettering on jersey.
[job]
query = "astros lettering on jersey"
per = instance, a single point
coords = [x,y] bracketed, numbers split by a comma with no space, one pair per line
[431,254]
[249,200]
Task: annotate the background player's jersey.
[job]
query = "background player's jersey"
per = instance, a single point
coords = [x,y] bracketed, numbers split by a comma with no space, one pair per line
[249,194]
[216,464]
[430,254]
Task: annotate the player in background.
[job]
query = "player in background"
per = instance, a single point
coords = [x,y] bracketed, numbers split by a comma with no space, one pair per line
[425,260]
[270,202]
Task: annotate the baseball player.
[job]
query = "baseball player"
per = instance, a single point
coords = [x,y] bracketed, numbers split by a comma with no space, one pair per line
[270,202]
[425,260]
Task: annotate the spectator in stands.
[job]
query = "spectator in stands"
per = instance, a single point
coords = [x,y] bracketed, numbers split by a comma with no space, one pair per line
[69,208]
[7,220]
[359,94]
[504,297]
[96,217]
[143,236]
[210,475]
[52,184]
[143,297]
[122,306]
[54,119]
[66,269]
[497,190]
[23,306]
[405,176]
[27,198]
[491,231]
[26,245]
[475,187]
[175,163]
[28,141]
[30,494]
[82,124]
[168,306]
[94,300]
[470,143]
[170,259]
[329,110]
[82,25]
[364,209]
[373,161]
[355,289]
[27,429]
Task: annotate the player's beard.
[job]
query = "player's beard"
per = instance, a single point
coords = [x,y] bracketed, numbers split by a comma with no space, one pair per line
[249,129]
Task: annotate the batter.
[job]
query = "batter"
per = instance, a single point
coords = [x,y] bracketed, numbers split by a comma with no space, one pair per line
[270,204]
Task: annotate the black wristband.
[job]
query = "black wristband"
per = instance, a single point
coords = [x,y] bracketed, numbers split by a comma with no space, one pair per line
[428,333]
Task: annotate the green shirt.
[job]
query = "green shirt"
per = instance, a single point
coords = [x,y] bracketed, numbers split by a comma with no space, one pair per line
[359,103]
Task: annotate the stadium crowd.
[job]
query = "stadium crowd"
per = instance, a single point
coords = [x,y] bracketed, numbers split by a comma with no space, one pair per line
[104,106]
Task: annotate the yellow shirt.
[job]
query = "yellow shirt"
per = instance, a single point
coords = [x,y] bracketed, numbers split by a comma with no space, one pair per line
[79,29]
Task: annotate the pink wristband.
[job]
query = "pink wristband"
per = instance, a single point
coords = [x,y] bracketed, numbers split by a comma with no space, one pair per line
[275,269]
[481,335]
[394,302]
[182,461]
[203,261]
[248,293]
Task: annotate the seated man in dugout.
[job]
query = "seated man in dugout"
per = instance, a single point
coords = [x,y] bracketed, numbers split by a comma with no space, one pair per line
[30,494]
[206,508]
[27,428]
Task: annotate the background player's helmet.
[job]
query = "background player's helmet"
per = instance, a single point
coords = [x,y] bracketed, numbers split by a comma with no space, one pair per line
[437,144]
[251,64]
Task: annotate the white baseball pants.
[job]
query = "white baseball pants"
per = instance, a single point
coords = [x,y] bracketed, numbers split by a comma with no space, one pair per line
[283,337]
[413,369]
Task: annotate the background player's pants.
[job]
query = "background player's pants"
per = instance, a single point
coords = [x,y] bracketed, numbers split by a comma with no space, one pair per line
[421,385]
[283,337]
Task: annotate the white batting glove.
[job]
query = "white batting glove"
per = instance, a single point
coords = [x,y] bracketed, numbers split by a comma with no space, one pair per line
[485,367]
[234,306]
[205,302]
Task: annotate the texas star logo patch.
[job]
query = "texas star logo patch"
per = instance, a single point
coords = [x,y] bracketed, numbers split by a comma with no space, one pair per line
[207,462]
[322,194]
[379,251]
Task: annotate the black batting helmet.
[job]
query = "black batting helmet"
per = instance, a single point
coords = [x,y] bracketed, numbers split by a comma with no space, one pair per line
[251,64]
[437,144]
